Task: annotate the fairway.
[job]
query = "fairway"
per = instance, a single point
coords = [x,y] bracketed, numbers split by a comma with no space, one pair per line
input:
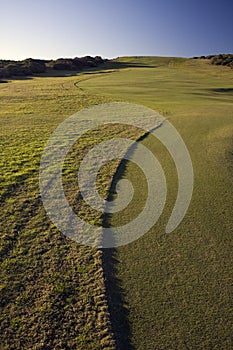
[176,287]
[163,291]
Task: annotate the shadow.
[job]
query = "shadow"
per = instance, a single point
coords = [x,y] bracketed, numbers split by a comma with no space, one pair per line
[18,77]
[53,73]
[223,90]
[116,303]
[119,65]
[114,292]
[118,308]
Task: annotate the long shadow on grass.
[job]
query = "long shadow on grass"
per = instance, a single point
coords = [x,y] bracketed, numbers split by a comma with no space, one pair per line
[122,64]
[115,293]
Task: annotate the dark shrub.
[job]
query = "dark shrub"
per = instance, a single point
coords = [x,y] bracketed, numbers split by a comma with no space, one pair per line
[18,69]
[223,59]
[63,65]
[4,73]
[35,66]
[77,62]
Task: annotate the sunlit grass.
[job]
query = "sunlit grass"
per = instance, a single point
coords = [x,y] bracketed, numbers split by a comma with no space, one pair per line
[177,286]
[52,289]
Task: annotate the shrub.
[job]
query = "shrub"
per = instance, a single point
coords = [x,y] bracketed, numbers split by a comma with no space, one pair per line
[35,66]
[32,66]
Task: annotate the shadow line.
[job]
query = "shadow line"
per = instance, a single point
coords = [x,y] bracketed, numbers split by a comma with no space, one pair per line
[115,294]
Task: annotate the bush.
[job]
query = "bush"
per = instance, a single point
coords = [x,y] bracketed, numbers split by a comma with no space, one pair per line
[18,69]
[35,66]
[32,66]
[221,59]
[62,66]
[225,60]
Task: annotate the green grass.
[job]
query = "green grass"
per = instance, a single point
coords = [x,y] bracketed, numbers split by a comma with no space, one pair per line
[52,289]
[174,289]
[177,287]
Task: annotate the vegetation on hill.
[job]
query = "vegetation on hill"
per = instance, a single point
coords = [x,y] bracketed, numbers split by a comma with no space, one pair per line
[222,59]
[9,68]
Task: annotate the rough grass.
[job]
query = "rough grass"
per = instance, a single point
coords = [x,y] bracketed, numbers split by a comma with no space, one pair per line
[175,289]
[52,292]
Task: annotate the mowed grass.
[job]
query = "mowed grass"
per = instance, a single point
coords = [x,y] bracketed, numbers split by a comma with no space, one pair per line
[176,288]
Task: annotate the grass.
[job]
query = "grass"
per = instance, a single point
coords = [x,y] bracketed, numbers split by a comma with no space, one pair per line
[52,290]
[56,294]
[175,288]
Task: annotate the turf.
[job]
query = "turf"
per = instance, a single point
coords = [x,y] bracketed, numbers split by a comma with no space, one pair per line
[160,292]
[52,293]
[176,288]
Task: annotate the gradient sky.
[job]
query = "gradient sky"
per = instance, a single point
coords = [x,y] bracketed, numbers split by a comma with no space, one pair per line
[69,28]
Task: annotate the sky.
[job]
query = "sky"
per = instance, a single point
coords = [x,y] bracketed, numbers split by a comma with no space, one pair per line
[69,28]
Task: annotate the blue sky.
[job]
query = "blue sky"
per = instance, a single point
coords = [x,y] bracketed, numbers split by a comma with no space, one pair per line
[69,28]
